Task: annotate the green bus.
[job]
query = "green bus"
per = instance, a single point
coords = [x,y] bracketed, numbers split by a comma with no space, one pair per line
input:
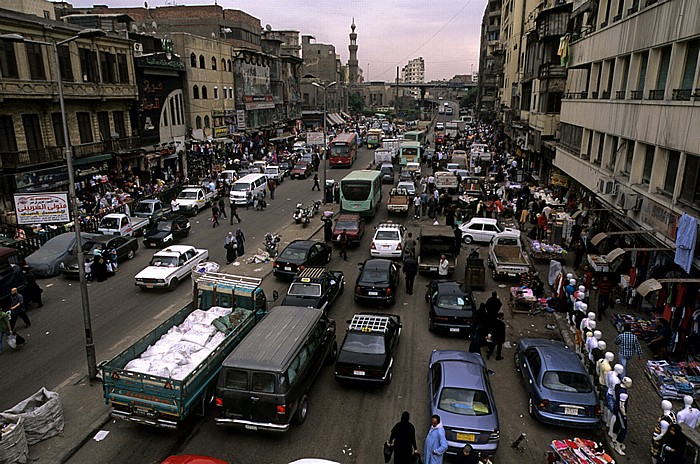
[361,192]
[415,136]
[409,152]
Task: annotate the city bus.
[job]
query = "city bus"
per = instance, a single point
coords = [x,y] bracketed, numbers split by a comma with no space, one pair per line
[361,192]
[343,151]
[410,152]
[374,138]
[415,136]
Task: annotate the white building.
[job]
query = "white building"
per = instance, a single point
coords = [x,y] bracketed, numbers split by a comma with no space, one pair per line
[414,73]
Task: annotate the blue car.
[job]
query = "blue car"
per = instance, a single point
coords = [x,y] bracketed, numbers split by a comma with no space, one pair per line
[558,387]
[460,393]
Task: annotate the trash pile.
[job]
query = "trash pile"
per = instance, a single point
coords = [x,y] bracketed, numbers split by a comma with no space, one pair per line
[184,347]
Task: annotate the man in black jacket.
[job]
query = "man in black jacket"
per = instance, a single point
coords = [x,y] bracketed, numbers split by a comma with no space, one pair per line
[498,337]
[410,269]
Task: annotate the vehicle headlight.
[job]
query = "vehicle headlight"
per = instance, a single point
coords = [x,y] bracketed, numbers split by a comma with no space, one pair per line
[160,281]
[168,238]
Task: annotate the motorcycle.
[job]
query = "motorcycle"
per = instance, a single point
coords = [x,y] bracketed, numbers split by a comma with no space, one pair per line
[270,243]
[298,213]
[315,208]
[305,216]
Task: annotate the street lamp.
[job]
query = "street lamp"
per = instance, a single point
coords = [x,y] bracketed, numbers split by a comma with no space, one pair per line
[84,34]
[325,147]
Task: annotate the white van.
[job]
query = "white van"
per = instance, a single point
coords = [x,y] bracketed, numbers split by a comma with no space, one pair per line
[253,183]
[228,176]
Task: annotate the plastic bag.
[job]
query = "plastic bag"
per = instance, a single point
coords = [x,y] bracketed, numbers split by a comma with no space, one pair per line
[12,341]
[42,414]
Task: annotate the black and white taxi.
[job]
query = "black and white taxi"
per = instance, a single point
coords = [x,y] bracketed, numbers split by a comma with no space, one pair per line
[388,241]
[169,266]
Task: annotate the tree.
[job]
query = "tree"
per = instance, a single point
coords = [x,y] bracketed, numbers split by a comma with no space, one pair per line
[469,99]
[356,102]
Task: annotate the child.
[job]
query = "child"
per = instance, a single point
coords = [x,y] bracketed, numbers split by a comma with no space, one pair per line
[88,271]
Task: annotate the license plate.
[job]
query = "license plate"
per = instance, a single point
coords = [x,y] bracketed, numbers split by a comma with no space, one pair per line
[251,427]
[373,293]
[433,269]
[571,411]
[512,274]
[358,372]
[144,412]
[466,437]
[454,329]
[287,268]
[149,285]
[386,246]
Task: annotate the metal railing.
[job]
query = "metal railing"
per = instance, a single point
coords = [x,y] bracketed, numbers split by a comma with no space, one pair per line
[681,94]
[606,94]
[656,94]
[636,94]
[620,94]
[116,145]
[21,158]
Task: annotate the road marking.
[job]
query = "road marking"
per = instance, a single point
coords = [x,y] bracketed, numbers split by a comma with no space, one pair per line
[160,314]
[68,381]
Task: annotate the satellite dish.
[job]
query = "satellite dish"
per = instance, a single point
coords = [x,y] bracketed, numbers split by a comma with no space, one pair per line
[268,27]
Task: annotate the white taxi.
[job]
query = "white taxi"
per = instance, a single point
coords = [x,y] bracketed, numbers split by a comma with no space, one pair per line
[169,266]
[388,241]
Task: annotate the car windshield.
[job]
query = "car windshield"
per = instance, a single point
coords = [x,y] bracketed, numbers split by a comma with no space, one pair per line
[304,289]
[364,343]
[143,208]
[164,261]
[346,225]
[355,190]
[164,226]
[293,253]
[374,276]
[454,302]
[110,223]
[572,382]
[391,235]
[301,167]
[188,195]
[240,187]
[465,402]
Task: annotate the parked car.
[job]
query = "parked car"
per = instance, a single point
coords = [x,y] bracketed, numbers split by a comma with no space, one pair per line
[480,229]
[126,249]
[558,387]
[46,261]
[387,170]
[352,224]
[367,352]
[405,176]
[388,241]
[452,306]
[286,166]
[169,229]
[169,266]
[315,287]
[301,171]
[460,392]
[301,253]
[377,282]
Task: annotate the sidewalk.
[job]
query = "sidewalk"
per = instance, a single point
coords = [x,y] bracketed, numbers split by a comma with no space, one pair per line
[84,408]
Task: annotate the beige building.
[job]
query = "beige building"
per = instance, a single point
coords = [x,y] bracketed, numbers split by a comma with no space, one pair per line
[413,72]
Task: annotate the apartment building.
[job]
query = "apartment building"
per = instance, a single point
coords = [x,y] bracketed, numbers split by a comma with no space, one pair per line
[413,73]
[490,77]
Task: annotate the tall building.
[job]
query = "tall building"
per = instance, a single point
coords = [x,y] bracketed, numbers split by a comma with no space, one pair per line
[352,62]
[321,64]
[414,73]
[490,78]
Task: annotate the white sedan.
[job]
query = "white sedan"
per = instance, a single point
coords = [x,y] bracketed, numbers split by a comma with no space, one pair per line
[388,241]
[169,266]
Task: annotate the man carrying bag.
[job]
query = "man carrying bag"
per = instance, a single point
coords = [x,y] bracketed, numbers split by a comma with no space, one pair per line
[13,339]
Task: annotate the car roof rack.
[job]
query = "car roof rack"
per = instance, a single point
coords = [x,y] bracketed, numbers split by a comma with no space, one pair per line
[311,273]
[369,323]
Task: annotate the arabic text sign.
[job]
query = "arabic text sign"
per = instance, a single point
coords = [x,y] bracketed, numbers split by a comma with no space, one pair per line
[42,208]
[314,138]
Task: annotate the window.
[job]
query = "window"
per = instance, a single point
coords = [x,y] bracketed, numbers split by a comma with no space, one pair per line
[206,122]
[32,131]
[533,359]
[629,156]
[65,63]
[172,110]
[88,65]
[193,60]
[195,92]
[8,60]
[119,126]
[644,61]
[671,172]
[108,63]
[204,92]
[8,142]
[625,73]
[663,69]
[123,68]
[236,380]
[57,124]
[690,191]
[564,381]
[85,127]
[201,61]
[228,62]
[36,61]
[464,402]
[103,123]
[648,163]
[223,64]
[216,93]
[213,63]
[691,63]
[198,122]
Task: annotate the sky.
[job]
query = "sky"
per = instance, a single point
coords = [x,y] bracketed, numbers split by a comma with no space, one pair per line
[389,32]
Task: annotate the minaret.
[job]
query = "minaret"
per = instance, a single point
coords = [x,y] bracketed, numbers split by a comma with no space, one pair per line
[352,62]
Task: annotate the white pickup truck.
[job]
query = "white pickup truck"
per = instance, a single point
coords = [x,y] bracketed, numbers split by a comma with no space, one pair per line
[446,180]
[121,224]
[506,255]
[193,198]
[274,172]
[169,266]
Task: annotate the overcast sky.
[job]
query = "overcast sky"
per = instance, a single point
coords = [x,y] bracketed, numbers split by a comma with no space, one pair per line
[389,32]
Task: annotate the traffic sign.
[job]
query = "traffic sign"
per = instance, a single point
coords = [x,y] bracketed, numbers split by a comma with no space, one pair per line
[314,138]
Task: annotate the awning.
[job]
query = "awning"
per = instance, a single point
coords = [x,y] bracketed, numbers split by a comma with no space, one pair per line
[168,157]
[329,120]
[340,118]
[92,159]
[345,115]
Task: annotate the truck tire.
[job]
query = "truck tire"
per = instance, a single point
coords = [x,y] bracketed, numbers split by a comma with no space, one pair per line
[173,284]
[302,410]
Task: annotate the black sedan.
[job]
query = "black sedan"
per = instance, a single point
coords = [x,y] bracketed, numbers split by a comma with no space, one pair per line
[452,306]
[377,282]
[315,287]
[126,249]
[367,352]
[301,253]
[168,230]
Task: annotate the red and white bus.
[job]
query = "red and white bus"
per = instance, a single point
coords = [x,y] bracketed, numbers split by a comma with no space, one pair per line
[343,150]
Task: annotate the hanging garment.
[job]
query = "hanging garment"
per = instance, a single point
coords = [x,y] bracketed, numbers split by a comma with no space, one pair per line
[685,241]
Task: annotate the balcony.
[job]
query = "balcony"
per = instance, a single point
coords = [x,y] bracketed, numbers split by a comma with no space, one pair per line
[636,94]
[35,157]
[118,145]
[582,95]
[681,94]
[606,94]
[656,94]
[594,95]
[552,71]
[620,94]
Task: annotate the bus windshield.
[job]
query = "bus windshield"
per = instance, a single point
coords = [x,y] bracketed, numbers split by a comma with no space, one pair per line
[355,190]
[340,150]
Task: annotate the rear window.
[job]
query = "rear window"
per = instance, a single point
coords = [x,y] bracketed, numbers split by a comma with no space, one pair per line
[236,379]
[263,382]
[465,402]
[572,382]
[304,289]
[364,343]
[453,302]
[293,253]
[386,235]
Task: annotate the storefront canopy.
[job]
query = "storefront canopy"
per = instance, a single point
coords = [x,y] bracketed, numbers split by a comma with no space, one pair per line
[92,159]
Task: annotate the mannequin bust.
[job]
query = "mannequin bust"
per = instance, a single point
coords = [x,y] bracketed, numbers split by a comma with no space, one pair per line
[604,366]
[667,418]
[597,354]
[611,380]
[585,324]
[591,341]
[688,415]
[618,422]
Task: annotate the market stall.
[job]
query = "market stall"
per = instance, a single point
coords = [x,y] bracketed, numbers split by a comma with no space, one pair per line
[522,300]
[580,451]
[547,251]
[674,380]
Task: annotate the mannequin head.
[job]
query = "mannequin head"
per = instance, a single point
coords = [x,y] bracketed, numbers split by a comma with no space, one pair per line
[609,356]
[569,276]
[688,401]
[666,405]
[627,382]
[619,370]
[572,282]
[589,334]
[602,345]
[597,334]
[581,288]
[591,315]
[592,324]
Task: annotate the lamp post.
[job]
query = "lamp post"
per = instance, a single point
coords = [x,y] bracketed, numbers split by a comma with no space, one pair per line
[325,137]
[84,34]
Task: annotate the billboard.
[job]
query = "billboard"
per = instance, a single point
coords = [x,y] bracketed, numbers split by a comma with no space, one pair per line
[314,138]
[42,208]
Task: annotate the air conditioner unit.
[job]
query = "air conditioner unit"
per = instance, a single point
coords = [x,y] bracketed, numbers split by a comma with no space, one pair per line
[607,186]
[638,204]
[628,201]
[601,185]
[614,188]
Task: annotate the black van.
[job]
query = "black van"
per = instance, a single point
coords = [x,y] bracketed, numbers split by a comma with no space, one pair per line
[264,383]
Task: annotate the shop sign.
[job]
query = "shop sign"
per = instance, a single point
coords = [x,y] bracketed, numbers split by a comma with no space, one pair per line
[660,218]
[41,208]
[314,138]
[42,178]
[221,131]
[560,180]
[240,117]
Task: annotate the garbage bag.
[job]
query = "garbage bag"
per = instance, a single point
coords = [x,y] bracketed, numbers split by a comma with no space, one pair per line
[13,441]
[42,414]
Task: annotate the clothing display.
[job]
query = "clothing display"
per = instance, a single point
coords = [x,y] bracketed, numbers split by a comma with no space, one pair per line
[685,241]
[644,329]
[581,451]
[675,380]
[542,250]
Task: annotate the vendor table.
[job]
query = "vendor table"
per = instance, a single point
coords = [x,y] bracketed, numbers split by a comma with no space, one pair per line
[580,451]
[521,300]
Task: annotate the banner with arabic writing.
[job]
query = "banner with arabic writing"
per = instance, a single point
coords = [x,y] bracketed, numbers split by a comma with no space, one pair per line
[41,208]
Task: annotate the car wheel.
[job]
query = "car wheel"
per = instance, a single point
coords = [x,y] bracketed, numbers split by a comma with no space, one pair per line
[173,284]
[467,239]
[302,410]
[333,353]
[131,254]
[431,324]
[195,210]
[389,376]
[530,407]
